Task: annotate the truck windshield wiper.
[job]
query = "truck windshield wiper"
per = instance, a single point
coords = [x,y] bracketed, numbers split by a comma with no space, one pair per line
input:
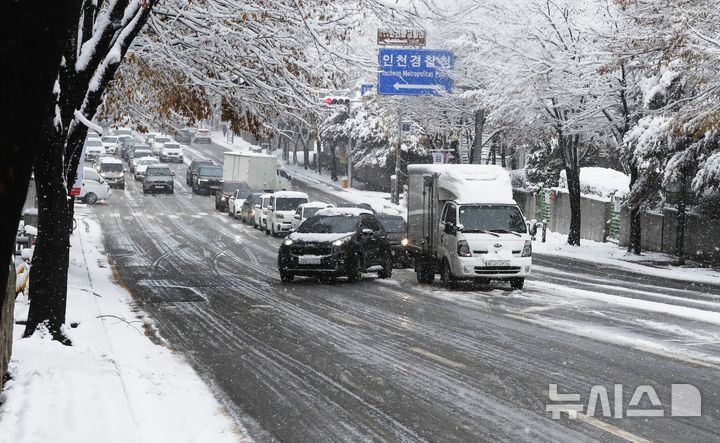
[505,231]
[481,231]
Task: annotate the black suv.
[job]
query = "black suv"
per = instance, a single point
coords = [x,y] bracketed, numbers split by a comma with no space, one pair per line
[396,230]
[192,169]
[207,180]
[336,242]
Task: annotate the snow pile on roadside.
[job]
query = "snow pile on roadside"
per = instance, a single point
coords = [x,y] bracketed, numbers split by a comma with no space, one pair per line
[113,384]
[611,254]
[600,181]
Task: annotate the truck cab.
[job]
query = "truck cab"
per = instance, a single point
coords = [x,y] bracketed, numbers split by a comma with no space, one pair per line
[464,224]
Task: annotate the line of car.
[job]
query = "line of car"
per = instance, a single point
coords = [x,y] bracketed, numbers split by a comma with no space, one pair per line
[321,239]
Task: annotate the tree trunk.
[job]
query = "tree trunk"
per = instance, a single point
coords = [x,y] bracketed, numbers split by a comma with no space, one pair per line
[573,179]
[48,290]
[635,242]
[333,164]
[477,142]
[32,43]
[318,145]
[306,154]
[680,233]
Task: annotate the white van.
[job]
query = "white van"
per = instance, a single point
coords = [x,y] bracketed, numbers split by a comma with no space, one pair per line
[281,211]
[93,187]
[261,212]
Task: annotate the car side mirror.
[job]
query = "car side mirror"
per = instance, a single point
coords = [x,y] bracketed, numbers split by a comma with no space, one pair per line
[100,180]
[125,170]
[459,227]
[367,231]
[449,228]
[297,217]
[270,208]
[172,172]
[257,206]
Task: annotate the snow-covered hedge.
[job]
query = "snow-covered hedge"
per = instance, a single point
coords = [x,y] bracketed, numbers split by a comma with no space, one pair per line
[600,181]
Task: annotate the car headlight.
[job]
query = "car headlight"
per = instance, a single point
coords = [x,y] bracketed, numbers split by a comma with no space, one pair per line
[341,241]
[463,250]
[288,242]
[527,249]
[404,242]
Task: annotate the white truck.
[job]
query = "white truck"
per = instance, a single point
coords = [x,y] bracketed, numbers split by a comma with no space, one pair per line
[464,224]
[258,172]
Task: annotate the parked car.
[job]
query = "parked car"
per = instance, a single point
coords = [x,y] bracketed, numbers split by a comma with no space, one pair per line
[141,165]
[110,143]
[158,178]
[137,154]
[208,179]
[157,144]
[281,211]
[94,149]
[260,208]
[222,195]
[396,230]
[202,136]
[111,169]
[336,242]
[171,152]
[247,209]
[307,210]
[93,187]
[192,169]
[150,137]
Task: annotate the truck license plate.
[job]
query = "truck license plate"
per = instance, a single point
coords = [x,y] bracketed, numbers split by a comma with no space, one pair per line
[309,260]
[504,263]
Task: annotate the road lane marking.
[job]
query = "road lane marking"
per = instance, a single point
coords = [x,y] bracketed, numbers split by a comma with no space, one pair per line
[344,318]
[592,421]
[436,358]
[677,357]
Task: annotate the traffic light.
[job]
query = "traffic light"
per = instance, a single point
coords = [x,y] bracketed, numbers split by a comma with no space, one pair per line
[337,100]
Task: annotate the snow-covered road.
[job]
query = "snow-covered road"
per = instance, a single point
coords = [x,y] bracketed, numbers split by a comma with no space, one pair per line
[393,360]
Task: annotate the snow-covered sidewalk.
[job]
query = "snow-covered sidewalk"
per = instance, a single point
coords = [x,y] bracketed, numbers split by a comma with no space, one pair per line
[114,384]
[649,263]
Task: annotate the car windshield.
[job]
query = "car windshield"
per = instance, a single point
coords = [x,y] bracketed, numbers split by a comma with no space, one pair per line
[162,140]
[213,171]
[309,212]
[288,204]
[147,161]
[393,224]
[110,139]
[93,142]
[112,167]
[491,218]
[230,187]
[326,224]
[171,146]
[141,153]
[158,171]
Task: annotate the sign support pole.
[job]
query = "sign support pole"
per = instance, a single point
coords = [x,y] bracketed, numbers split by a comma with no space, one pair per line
[349,152]
[396,194]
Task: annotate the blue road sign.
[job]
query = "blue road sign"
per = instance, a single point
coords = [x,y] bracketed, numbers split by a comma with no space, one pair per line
[365,88]
[414,71]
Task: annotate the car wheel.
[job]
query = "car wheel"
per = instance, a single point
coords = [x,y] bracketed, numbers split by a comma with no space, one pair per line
[90,198]
[517,283]
[171,191]
[447,276]
[387,269]
[425,275]
[355,272]
[272,231]
[286,277]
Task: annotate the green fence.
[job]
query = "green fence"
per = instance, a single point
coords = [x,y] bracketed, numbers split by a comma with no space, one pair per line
[613,218]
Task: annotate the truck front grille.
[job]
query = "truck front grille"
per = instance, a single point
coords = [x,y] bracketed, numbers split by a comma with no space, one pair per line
[485,270]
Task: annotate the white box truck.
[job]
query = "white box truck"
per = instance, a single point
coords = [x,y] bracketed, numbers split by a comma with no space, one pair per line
[464,224]
[260,172]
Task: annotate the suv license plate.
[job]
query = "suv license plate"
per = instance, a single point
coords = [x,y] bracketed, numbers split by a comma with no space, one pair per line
[505,263]
[309,260]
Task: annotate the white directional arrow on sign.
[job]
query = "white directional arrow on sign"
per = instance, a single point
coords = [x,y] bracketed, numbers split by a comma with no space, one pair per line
[409,86]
